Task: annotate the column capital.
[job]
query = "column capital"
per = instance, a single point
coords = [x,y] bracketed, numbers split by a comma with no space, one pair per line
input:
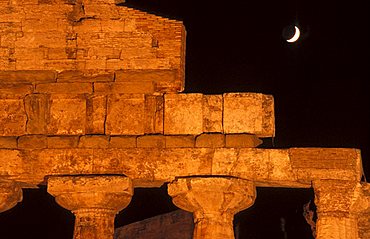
[213,201]
[10,194]
[91,192]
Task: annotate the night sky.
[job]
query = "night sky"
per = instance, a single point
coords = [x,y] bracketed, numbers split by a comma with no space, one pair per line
[319,85]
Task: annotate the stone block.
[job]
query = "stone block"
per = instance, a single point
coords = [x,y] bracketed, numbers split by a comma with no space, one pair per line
[15,89]
[212,113]
[13,117]
[125,114]
[242,141]
[30,76]
[64,88]
[183,114]
[62,142]
[125,88]
[180,141]
[250,113]
[32,142]
[122,142]
[8,142]
[38,109]
[67,115]
[94,141]
[96,111]
[85,76]
[151,141]
[154,113]
[210,141]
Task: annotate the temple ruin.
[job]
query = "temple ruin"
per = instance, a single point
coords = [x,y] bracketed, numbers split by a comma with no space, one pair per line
[91,106]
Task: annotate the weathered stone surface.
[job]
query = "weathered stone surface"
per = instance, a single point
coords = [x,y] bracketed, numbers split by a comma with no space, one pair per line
[96,112]
[94,200]
[125,87]
[85,76]
[31,76]
[151,141]
[178,224]
[8,142]
[248,113]
[62,142]
[38,111]
[32,142]
[94,141]
[212,113]
[10,195]
[64,88]
[242,141]
[154,114]
[183,114]
[213,218]
[183,141]
[15,89]
[12,117]
[122,142]
[210,141]
[125,114]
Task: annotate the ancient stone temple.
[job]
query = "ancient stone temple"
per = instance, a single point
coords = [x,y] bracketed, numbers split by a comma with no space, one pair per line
[91,106]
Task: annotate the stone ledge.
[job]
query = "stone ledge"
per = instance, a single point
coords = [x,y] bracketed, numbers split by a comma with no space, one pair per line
[150,166]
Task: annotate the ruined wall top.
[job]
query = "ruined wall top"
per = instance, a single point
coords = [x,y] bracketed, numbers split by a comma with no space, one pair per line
[90,36]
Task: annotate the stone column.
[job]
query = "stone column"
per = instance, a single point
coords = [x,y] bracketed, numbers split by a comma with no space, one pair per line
[338,205]
[10,195]
[94,200]
[213,201]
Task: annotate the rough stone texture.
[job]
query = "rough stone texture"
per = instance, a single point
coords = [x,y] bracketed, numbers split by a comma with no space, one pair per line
[125,114]
[364,216]
[212,113]
[12,117]
[210,141]
[8,142]
[249,113]
[242,141]
[10,195]
[183,114]
[94,200]
[100,36]
[213,202]
[178,224]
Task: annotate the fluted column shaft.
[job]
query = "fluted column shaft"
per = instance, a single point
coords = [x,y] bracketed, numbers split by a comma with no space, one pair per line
[94,200]
[214,201]
[338,205]
[10,195]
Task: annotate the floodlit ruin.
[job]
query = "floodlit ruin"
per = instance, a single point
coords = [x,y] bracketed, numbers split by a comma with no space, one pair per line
[91,106]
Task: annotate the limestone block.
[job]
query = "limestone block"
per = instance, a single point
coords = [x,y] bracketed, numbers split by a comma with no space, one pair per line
[151,141]
[93,141]
[38,112]
[183,114]
[242,141]
[67,115]
[212,113]
[180,141]
[13,117]
[8,142]
[32,142]
[12,163]
[31,76]
[154,113]
[249,113]
[62,142]
[126,87]
[15,89]
[122,142]
[210,141]
[125,114]
[64,88]
[96,111]
[85,76]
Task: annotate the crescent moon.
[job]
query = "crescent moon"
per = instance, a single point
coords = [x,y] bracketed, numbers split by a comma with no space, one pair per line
[297,34]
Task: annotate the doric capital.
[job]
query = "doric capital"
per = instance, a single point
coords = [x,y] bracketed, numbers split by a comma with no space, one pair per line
[213,201]
[208,195]
[10,195]
[91,192]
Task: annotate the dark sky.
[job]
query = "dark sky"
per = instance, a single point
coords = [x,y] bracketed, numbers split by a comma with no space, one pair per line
[319,86]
